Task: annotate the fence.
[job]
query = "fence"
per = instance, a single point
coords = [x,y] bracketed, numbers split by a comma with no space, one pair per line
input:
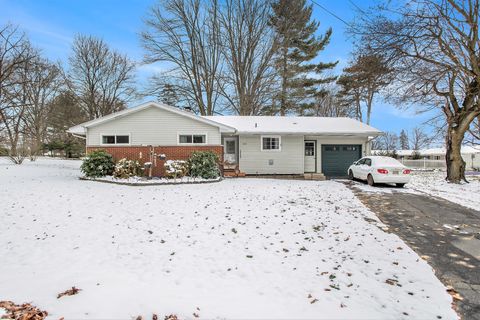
[425,164]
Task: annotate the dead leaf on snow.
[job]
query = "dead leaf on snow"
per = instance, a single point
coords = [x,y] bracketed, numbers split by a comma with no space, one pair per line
[454,293]
[69,292]
[24,311]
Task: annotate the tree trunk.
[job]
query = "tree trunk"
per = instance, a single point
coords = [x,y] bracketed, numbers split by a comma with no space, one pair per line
[453,158]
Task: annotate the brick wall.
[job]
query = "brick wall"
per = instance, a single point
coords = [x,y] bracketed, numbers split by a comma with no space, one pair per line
[142,154]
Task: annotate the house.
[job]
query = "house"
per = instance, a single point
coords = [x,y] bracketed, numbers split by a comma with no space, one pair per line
[254,144]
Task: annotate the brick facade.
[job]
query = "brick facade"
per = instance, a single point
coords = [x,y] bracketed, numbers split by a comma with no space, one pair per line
[142,154]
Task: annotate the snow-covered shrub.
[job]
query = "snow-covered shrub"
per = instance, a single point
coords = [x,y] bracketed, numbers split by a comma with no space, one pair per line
[175,168]
[125,169]
[98,163]
[203,164]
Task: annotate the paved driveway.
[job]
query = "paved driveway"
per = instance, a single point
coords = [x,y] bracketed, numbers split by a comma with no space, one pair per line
[445,234]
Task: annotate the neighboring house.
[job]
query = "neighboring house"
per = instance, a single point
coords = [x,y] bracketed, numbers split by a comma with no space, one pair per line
[435,157]
[254,144]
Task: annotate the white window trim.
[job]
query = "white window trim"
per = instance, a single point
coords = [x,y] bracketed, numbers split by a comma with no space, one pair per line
[192,134]
[271,150]
[115,134]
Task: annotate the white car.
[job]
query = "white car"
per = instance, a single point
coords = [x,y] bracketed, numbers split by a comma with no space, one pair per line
[377,169]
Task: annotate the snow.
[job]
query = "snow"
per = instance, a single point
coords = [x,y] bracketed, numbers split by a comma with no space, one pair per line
[386,161]
[433,183]
[298,125]
[240,248]
[153,181]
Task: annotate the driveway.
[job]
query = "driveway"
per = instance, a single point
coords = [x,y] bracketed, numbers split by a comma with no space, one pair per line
[445,234]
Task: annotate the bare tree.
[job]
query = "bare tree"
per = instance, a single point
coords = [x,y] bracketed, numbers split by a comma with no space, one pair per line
[44,80]
[419,139]
[329,105]
[185,34]
[101,78]
[387,144]
[433,46]
[15,56]
[249,48]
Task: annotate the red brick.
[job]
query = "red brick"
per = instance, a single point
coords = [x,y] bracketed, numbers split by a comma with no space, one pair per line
[142,154]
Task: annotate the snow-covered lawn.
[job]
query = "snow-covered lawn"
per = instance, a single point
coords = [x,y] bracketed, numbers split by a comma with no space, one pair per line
[240,248]
[433,183]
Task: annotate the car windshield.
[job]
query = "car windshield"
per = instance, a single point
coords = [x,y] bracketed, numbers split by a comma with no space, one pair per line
[387,161]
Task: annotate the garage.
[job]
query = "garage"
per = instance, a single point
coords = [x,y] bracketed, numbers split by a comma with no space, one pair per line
[336,158]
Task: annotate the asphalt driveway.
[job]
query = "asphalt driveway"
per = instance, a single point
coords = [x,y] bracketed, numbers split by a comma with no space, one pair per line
[446,234]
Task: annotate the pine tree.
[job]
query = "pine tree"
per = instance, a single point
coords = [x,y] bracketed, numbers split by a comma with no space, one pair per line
[297,46]
[404,145]
[168,95]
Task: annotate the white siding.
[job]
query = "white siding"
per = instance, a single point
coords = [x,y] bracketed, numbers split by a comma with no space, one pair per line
[289,160]
[338,140]
[153,126]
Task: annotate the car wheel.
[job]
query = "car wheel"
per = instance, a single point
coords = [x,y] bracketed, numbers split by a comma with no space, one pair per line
[399,185]
[350,175]
[370,180]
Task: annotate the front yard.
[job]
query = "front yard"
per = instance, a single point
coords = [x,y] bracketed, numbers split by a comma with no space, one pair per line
[240,248]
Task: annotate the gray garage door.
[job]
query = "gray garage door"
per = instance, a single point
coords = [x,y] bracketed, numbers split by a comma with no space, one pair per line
[336,158]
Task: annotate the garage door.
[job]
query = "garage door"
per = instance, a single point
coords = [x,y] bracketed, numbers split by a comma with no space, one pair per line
[336,158]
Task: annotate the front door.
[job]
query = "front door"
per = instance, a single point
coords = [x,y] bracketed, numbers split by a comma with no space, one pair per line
[310,156]
[230,150]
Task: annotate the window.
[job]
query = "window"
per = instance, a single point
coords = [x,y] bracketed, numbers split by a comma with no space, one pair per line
[309,148]
[331,148]
[192,138]
[361,161]
[271,143]
[108,139]
[123,139]
[368,162]
[230,147]
[115,139]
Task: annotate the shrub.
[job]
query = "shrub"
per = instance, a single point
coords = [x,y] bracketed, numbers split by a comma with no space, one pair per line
[98,163]
[125,169]
[175,168]
[203,164]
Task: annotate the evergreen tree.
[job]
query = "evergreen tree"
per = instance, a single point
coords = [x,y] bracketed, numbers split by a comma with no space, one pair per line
[168,95]
[404,145]
[297,46]
[361,80]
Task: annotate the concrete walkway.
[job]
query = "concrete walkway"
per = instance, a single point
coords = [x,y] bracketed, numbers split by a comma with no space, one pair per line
[446,234]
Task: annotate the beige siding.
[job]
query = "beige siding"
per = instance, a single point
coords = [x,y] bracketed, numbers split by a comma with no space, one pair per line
[289,160]
[153,126]
[338,140]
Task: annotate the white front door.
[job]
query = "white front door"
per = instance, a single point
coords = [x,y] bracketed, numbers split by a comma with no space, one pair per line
[310,156]
[230,150]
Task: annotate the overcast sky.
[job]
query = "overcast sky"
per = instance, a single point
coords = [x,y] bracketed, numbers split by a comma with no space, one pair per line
[52,24]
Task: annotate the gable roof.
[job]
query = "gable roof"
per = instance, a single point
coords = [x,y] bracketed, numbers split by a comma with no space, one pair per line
[81,128]
[296,125]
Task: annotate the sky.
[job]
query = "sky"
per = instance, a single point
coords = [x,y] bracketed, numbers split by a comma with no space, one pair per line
[52,24]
